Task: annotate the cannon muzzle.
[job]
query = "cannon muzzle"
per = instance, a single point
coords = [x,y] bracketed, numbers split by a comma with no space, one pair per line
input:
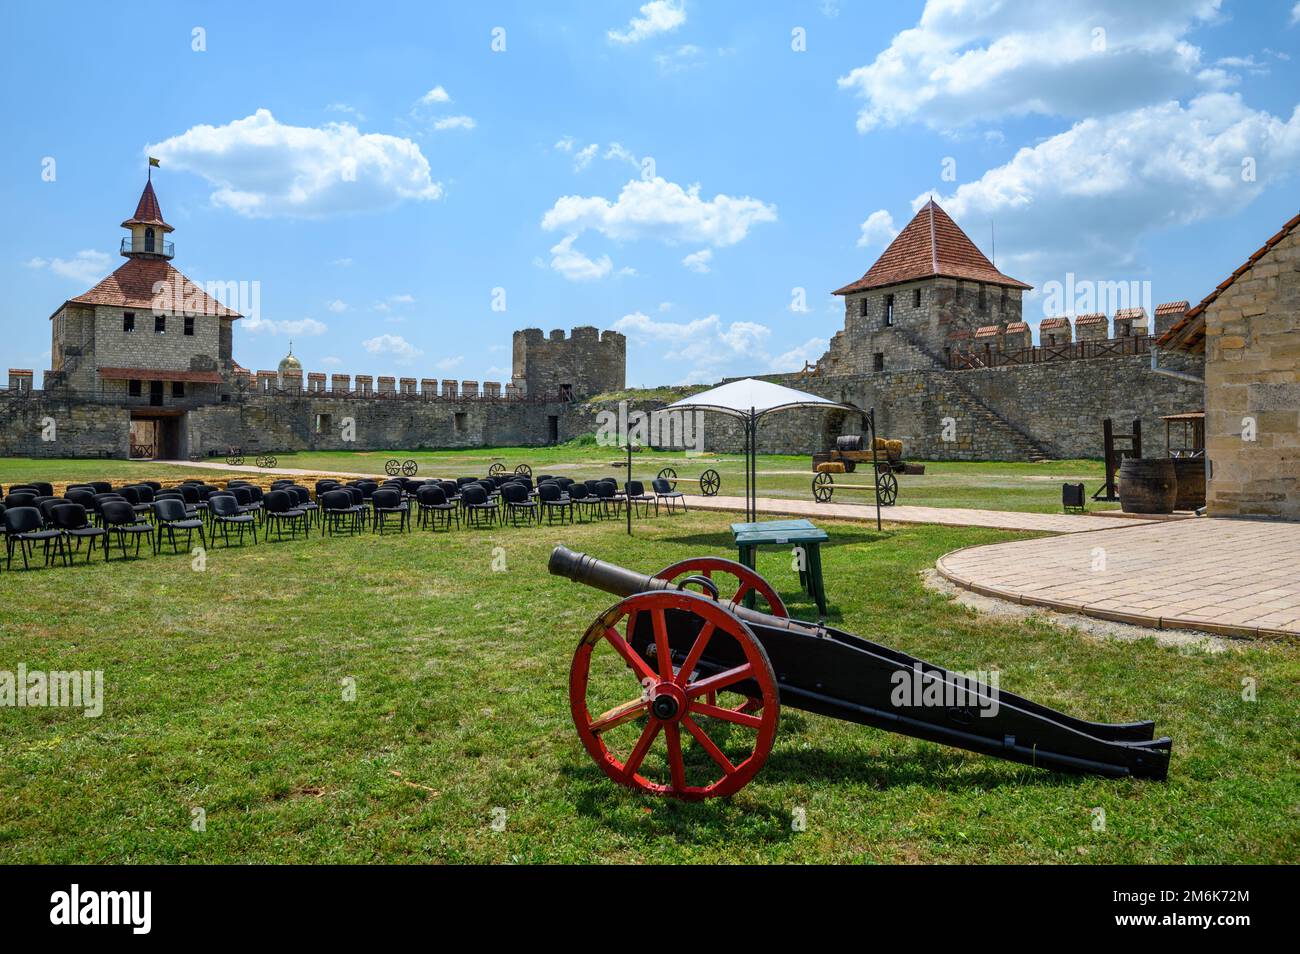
[609,577]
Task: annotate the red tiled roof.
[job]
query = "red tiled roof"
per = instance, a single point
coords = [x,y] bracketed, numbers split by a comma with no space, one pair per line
[147,211]
[19,371]
[1018,326]
[1172,307]
[1091,318]
[930,245]
[1056,321]
[986,331]
[1131,313]
[1188,333]
[160,374]
[132,286]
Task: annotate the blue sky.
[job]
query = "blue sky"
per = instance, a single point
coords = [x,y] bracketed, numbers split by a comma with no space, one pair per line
[677,170]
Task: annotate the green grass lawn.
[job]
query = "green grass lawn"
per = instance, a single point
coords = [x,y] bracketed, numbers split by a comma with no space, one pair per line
[986,485]
[224,691]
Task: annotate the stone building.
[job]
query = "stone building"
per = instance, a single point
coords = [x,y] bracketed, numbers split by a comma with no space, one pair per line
[146,336]
[584,363]
[929,289]
[1248,329]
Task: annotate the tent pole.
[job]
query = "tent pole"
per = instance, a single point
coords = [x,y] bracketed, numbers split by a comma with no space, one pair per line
[629,477]
[875,464]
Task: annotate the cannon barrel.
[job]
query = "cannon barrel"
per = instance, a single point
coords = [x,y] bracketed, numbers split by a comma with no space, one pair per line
[622,582]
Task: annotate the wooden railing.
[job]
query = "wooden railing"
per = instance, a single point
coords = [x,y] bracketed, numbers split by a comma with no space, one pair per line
[1041,354]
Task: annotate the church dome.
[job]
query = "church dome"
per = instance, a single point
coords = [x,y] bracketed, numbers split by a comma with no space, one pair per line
[289,362]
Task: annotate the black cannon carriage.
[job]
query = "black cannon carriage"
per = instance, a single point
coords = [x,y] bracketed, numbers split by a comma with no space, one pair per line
[684,650]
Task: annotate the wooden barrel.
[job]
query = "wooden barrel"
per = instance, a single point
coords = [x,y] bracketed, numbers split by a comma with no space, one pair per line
[1147,485]
[1190,473]
[849,442]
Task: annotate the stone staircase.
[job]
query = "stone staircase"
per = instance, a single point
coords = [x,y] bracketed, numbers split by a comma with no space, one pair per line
[991,434]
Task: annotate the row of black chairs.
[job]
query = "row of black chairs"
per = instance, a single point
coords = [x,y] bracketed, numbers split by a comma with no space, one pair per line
[95,513]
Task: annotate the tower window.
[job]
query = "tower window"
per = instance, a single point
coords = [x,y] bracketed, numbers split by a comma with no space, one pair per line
[178,389]
[983,299]
[862,307]
[878,361]
[148,240]
[133,387]
[128,322]
[160,324]
[889,310]
[189,327]
[916,298]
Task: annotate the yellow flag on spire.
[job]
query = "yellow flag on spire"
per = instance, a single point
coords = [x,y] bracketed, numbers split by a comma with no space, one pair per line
[154,162]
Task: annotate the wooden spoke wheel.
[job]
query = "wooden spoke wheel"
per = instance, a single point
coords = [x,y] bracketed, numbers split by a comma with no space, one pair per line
[887,489]
[266,460]
[710,481]
[523,470]
[823,487]
[497,470]
[678,740]
[747,581]
[235,460]
[850,466]
[409,468]
[392,467]
[669,474]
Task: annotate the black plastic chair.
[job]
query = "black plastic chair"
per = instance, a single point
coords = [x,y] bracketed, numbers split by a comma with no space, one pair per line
[338,508]
[71,520]
[553,500]
[518,503]
[121,520]
[385,504]
[663,490]
[640,501]
[25,528]
[280,508]
[584,501]
[478,508]
[434,508]
[171,515]
[226,513]
[607,491]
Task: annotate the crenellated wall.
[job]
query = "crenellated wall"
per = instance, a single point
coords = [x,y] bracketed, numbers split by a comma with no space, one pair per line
[583,363]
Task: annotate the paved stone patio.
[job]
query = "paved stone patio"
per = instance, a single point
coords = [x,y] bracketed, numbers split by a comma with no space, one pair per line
[900,513]
[1230,577]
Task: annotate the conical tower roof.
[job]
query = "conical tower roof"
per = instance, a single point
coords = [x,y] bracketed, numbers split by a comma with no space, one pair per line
[931,245]
[147,211]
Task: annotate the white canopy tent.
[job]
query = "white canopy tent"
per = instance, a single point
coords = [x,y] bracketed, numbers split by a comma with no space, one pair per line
[749,400]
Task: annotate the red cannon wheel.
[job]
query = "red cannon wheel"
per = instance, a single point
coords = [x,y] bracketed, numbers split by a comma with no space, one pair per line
[668,706]
[747,578]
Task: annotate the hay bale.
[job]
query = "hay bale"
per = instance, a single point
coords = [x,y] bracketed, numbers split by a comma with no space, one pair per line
[830,467]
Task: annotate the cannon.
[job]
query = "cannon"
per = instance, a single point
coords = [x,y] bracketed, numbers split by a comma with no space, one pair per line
[708,675]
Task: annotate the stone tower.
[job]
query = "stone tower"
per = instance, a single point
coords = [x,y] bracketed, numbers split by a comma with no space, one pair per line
[929,291]
[571,368]
[146,334]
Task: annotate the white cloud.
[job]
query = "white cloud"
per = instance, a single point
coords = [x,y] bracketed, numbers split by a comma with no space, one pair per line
[565,144]
[1084,198]
[302,326]
[706,347]
[262,167]
[977,60]
[448,364]
[388,303]
[584,156]
[575,266]
[699,261]
[1295,14]
[658,209]
[337,305]
[345,108]
[878,229]
[617,151]
[454,122]
[435,95]
[87,267]
[493,373]
[685,57]
[330,361]
[342,262]
[795,359]
[657,16]
[398,347]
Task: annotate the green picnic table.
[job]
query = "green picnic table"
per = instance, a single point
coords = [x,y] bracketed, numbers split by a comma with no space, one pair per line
[800,533]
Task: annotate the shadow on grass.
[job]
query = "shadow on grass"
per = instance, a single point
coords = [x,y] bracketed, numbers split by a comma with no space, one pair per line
[723,541]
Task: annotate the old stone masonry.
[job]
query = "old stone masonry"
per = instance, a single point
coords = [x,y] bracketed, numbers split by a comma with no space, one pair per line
[143,365]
